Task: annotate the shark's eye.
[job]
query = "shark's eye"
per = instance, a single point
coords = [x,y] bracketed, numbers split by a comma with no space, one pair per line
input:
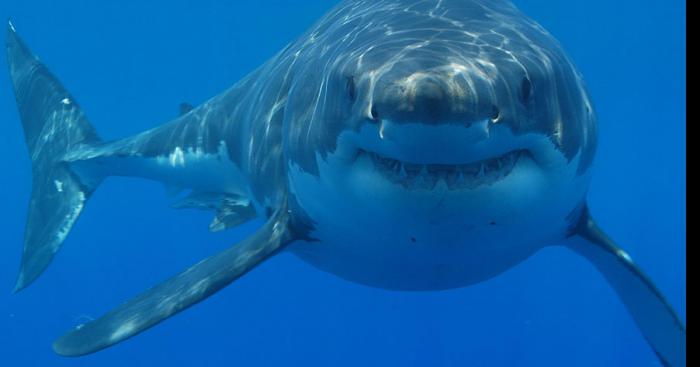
[526,89]
[351,88]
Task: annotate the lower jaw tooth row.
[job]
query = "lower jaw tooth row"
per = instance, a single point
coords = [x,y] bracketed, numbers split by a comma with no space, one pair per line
[415,176]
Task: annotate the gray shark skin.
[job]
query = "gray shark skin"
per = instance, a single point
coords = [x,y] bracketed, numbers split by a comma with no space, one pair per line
[409,145]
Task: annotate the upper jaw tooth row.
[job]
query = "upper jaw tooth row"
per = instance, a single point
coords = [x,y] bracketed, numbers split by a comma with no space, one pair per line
[455,176]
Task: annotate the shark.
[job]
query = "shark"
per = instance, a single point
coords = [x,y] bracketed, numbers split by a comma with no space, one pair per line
[408,145]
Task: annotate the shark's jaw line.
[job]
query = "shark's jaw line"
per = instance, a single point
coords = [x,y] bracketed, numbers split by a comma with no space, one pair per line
[446,156]
[429,176]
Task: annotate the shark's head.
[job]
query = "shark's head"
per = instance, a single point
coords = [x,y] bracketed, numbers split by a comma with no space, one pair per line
[440,120]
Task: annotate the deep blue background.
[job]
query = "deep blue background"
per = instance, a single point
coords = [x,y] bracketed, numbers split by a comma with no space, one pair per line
[131,63]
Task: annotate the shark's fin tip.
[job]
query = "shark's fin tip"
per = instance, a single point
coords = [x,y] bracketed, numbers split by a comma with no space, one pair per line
[19,286]
[10,26]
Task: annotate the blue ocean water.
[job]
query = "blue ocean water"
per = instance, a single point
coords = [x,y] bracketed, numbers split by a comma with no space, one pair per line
[131,63]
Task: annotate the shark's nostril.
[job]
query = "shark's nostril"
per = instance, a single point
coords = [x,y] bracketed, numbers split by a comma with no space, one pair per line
[351,88]
[374,113]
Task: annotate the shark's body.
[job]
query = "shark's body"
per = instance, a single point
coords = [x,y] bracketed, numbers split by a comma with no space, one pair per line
[411,145]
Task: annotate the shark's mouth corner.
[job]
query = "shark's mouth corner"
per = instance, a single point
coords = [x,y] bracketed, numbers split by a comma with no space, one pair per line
[428,176]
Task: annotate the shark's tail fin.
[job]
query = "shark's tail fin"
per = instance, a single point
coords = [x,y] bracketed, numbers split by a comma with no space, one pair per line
[54,126]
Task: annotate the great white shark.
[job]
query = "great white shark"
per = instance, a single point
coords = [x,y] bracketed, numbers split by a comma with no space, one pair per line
[409,145]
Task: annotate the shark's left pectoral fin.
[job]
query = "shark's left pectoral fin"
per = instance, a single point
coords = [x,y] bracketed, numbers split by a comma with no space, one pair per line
[655,317]
[182,291]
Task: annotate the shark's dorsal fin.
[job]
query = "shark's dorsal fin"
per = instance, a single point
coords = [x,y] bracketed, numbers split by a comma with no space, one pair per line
[180,292]
[185,108]
[659,323]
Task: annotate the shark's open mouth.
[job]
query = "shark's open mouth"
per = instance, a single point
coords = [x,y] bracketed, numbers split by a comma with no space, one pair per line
[455,176]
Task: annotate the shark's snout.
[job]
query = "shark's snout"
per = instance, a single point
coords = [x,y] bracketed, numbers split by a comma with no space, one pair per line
[433,116]
[435,125]
[434,98]
[432,142]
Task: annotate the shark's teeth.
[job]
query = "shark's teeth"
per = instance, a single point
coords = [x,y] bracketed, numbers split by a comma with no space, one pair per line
[455,176]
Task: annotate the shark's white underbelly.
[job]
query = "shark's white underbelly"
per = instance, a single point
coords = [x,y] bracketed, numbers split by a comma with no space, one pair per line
[437,239]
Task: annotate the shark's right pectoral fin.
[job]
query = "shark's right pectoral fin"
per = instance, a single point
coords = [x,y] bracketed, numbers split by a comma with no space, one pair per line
[657,320]
[182,291]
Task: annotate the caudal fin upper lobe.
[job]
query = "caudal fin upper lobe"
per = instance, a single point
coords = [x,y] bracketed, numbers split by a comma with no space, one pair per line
[54,126]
